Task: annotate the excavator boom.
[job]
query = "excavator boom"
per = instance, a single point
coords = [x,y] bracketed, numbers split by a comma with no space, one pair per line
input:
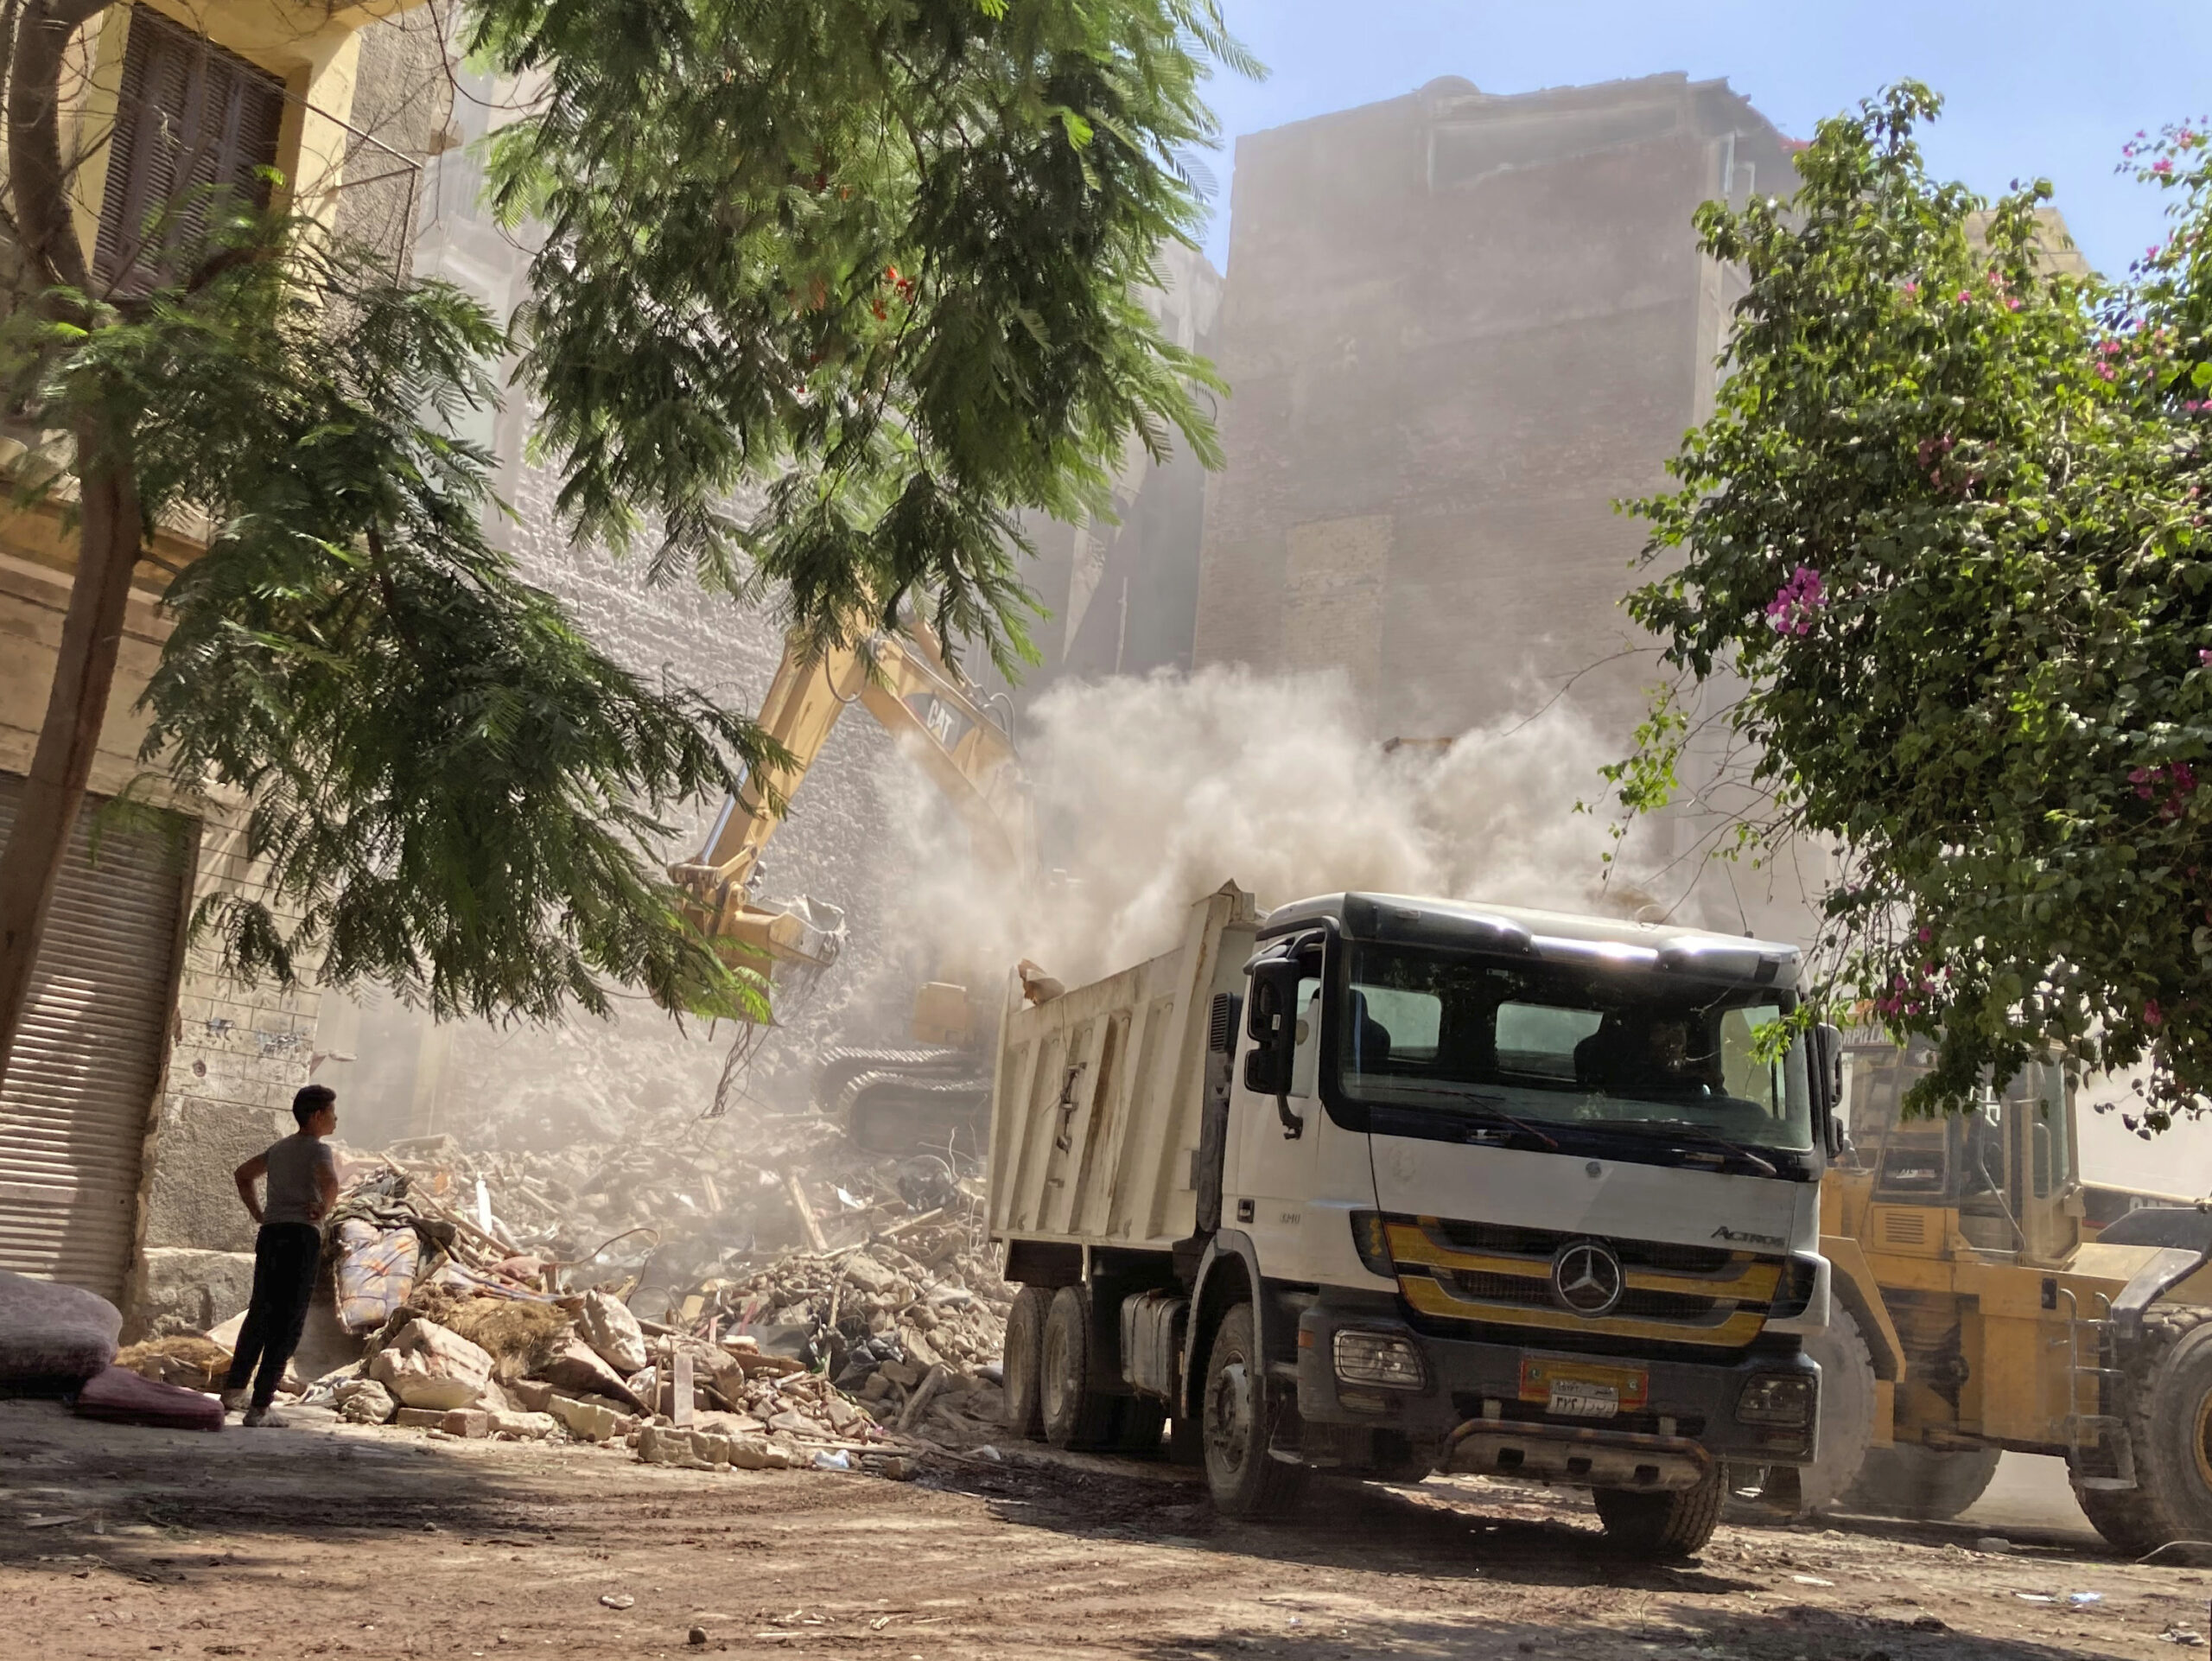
[939,717]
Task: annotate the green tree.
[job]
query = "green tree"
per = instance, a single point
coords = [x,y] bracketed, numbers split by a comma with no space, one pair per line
[874,257]
[1944,542]
[867,267]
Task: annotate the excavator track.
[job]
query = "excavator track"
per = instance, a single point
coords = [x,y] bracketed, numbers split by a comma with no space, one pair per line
[904,1102]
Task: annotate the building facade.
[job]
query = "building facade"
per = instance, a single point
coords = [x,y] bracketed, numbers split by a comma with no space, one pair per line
[1457,330]
[145,1075]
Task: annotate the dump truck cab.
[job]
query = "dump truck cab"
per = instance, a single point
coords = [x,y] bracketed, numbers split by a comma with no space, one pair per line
[1474,1189]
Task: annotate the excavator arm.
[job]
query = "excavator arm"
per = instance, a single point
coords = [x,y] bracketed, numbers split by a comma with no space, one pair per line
[939,718]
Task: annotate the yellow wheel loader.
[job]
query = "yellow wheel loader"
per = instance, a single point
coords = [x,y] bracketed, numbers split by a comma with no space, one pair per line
[1972,1315]
[936,1090]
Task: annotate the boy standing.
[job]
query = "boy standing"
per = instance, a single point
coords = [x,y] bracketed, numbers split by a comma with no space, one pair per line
[302,1174]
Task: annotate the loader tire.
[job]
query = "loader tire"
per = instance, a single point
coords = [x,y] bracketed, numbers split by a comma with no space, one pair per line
[1237,1413]
[1663,1525]
[1075,1415]
[1846,1412]
[1021,1363]
[2165,1401]
[1922,1483]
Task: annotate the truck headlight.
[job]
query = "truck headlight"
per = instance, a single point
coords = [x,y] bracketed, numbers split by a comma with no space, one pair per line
[1382,1358]
[1776,1398]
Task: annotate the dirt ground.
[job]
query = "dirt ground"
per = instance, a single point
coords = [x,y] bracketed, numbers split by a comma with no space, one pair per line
[329,1540]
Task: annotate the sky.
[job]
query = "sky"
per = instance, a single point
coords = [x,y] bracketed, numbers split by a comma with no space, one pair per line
[2037,88]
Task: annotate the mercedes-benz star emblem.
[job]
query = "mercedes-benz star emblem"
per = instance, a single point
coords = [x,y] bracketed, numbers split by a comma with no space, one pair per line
[1586,1277]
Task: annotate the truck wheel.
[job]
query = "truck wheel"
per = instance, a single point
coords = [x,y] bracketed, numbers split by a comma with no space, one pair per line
[1236,1416]
[1673,1524]
[1922,1483]
[2166,1399]
[1075,1415]
[1021,1360]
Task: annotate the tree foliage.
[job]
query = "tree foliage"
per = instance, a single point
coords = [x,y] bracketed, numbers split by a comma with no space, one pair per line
[867,263]
[867,266]
[454,793]
[1944,538]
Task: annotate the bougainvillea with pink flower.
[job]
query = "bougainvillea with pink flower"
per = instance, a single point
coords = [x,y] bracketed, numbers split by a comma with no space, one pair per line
[1949,564]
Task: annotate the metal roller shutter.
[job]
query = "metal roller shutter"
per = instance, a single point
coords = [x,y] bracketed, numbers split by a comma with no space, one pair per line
[80,1086]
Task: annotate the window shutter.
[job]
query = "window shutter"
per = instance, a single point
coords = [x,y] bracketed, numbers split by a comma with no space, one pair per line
[189,116]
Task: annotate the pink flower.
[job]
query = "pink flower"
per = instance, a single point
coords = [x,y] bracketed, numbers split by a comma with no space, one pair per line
[2204,657]
[2162,166]
[1796,602]
[2106,370]
[1966,296]
[1910,290]
[2153,1015]
[1926,934]
[2011,305]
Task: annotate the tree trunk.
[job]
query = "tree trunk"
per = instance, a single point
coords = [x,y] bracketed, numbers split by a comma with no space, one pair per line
[91,635]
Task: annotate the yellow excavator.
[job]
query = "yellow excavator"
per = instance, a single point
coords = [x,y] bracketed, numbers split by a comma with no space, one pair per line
[937,1090]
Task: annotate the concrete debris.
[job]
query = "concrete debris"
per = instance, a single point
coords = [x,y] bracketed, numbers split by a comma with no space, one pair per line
[364,1400]
[614,1333]
[428,1367]
[752,1296]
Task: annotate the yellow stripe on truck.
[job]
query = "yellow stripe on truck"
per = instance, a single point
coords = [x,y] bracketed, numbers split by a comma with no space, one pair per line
[1429,1298]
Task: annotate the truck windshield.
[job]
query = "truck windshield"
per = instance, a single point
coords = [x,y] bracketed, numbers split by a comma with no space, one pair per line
[1636,1052]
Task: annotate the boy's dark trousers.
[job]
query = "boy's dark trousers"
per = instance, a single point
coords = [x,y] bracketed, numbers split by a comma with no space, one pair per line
[285,1257]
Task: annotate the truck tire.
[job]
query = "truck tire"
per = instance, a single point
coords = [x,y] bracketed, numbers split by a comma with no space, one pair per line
[2165,1400]
[1846,1434]
[1021,1362]
[1671,1524]
[1075,1415]
[1922,1483]
[1236,1413]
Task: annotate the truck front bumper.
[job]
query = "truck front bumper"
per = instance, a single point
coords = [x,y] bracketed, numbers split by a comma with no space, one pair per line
[1470,1402]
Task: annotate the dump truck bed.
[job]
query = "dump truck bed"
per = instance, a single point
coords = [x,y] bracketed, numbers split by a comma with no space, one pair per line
[1098,1099]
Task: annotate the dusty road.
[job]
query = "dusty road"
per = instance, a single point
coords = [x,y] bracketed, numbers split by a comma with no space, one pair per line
[348,1542]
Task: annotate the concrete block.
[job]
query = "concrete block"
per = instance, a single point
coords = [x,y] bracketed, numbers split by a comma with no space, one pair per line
[471,1424]
[421,1418]
[428,1367]
[530,1395]
[184,1290]
[588,1420]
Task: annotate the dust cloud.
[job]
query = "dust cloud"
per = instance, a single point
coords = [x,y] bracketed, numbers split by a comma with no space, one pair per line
[1150,793]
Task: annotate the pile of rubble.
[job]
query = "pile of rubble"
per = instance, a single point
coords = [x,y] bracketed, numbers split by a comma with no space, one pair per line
[783,1302]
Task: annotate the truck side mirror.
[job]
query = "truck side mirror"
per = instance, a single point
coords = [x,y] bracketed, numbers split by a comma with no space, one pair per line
[1824,1058]
[1271,1019]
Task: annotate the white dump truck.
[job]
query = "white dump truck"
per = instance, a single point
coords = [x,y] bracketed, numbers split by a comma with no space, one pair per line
[1382,1187]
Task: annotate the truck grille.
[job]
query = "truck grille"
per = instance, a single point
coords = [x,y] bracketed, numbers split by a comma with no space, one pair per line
[1486,1275]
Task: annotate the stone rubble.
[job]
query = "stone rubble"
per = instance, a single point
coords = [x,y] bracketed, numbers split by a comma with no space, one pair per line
[811,1302]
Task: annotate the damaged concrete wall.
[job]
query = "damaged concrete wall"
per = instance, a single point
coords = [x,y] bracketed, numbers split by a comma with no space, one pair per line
[1121,589]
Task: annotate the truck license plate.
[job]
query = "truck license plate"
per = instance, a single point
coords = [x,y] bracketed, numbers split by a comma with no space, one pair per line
[1582,1390]
[1577,1398]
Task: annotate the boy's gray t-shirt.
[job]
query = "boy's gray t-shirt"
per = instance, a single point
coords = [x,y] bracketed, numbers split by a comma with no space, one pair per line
[293,1195]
